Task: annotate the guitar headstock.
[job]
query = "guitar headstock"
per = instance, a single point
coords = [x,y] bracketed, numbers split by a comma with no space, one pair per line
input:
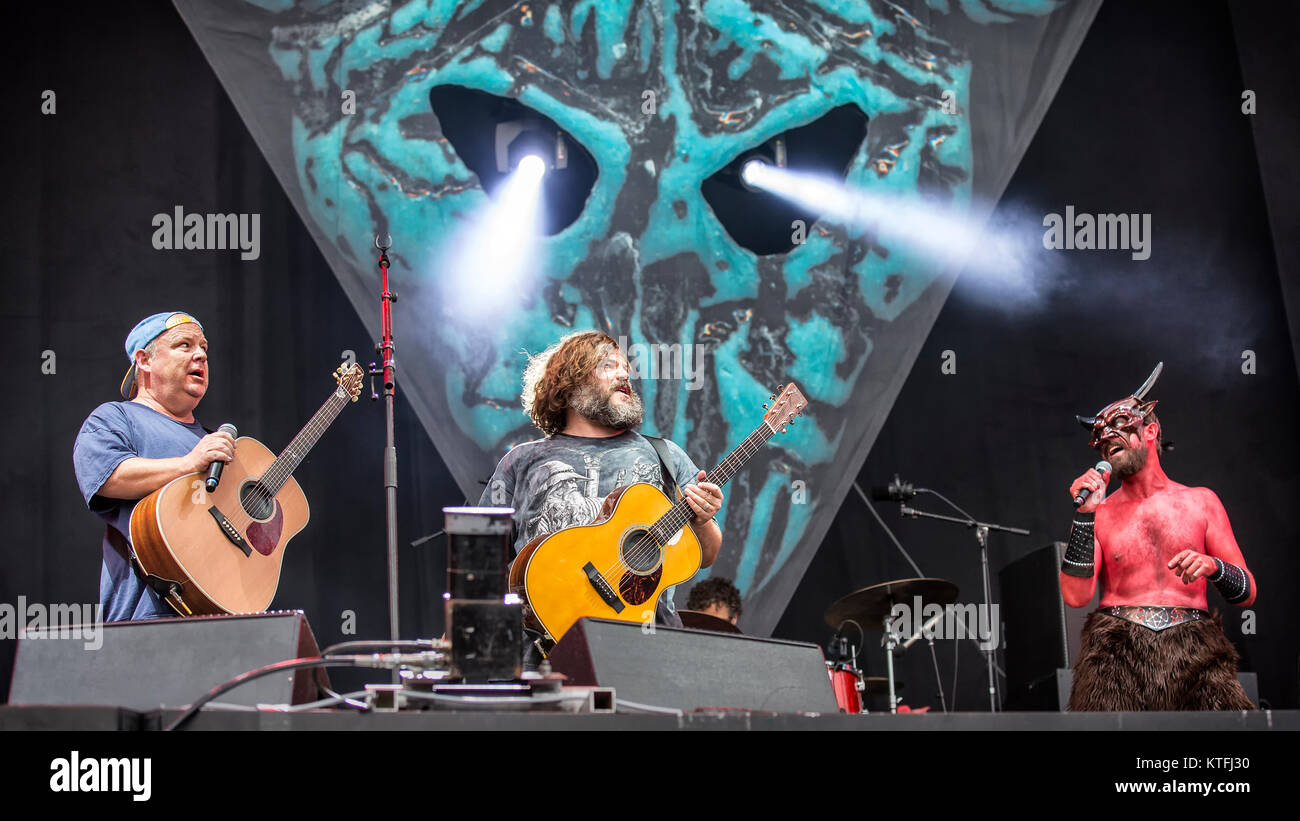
[785,407]
[350,379]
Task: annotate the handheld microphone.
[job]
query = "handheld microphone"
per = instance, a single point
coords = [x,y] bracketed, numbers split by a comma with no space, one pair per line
[214,469]
[1102,467]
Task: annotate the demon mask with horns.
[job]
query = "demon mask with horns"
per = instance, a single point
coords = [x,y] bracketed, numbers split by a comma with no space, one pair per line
[1112,425]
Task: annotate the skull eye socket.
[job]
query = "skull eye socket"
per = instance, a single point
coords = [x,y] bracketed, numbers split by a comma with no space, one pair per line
[762,222]
[490,133]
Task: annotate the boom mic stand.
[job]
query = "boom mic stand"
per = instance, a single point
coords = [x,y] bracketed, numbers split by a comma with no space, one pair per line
[385,351]
[982,536]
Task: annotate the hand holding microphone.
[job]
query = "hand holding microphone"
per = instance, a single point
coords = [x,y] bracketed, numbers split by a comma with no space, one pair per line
[1089,490]
[215,450]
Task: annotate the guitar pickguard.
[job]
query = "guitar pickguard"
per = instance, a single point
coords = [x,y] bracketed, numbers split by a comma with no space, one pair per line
[637,589]
[264,536]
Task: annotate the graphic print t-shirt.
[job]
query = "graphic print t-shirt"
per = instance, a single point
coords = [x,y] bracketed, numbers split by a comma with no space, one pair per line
[561,481]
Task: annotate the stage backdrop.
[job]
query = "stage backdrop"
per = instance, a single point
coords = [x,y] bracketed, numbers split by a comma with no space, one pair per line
[337,96]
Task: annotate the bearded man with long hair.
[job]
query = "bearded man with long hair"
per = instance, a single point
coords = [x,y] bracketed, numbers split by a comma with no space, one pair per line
[579,394]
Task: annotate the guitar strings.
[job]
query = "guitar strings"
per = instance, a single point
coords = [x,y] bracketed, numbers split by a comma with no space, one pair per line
[648,544]
[681,513]
[268,484]
[266,491]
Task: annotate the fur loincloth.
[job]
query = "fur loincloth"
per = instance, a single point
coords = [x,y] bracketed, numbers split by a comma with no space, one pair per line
[1124,666]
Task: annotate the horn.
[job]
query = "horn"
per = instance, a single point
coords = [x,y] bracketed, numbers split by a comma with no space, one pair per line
[1150,383]
[1086,421]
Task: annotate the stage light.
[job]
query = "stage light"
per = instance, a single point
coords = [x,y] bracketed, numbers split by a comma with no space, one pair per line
[532,166]
[517,139]
[752,171]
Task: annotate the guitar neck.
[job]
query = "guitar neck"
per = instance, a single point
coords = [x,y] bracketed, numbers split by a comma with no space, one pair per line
[681,513]
[293,454]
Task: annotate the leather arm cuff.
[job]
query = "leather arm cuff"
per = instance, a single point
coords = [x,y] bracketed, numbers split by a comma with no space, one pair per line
[1079,550]
[1230,581]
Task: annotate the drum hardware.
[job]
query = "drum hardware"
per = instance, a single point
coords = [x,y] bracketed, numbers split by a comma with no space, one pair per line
[846,677]
[981,530]
[875,605]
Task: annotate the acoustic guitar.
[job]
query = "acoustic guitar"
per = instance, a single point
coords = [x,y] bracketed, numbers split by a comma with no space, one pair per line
[222,551]
[616,567]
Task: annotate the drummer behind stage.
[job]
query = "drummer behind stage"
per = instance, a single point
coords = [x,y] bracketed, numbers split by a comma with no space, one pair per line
[1151,645]
[716,597]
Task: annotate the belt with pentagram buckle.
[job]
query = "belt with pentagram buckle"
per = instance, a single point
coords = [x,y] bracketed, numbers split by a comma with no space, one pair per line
[1156,617]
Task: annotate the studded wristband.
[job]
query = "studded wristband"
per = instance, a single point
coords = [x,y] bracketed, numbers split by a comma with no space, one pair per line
[1079,550]
[1230,581]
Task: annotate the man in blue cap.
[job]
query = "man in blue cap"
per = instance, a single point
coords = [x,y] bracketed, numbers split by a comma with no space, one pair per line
[126,450]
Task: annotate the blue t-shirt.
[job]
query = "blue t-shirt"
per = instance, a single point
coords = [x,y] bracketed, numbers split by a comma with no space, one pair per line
[561,481]
[113,433]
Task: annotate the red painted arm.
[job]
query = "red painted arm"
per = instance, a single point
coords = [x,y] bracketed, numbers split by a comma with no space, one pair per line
[1220,543]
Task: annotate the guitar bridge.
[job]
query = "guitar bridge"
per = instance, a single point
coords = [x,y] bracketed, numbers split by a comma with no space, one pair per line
[229,531]
[602,587]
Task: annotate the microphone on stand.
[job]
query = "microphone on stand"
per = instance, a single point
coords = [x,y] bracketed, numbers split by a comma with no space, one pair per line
[214,469]
[896,491]
[1102,467]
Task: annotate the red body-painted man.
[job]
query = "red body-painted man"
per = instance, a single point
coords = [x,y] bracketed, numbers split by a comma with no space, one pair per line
[1154,546]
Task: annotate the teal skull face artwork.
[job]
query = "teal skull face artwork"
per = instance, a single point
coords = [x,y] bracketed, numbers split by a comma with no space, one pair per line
[661,94]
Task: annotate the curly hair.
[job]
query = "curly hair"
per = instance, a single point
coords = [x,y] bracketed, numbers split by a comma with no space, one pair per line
[553,374]
[712,591]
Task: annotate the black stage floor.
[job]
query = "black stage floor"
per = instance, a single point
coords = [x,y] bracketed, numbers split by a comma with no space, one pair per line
[114,719]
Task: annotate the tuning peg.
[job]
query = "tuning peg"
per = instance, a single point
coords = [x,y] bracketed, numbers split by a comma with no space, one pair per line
[764,406]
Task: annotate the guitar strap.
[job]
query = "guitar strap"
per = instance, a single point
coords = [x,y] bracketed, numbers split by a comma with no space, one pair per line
[167,590]
[661,450]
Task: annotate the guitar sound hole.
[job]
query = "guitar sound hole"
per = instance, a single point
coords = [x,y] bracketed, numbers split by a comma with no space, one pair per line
[640,552]
[256,499]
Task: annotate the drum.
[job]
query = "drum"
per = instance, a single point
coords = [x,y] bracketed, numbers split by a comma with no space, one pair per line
[848,685]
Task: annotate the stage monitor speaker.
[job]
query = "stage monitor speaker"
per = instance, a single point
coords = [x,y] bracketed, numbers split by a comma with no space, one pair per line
[144,665]
[688,669]
[1042,633]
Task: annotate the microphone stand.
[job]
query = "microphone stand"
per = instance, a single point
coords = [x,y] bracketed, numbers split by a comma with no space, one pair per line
[982,536]
[385,351]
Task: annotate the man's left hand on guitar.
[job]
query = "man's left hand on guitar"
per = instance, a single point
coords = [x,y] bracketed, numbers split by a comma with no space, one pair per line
[705,498]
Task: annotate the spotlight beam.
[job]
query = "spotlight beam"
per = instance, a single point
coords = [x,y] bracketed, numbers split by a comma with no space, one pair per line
[930,228]
[491,258]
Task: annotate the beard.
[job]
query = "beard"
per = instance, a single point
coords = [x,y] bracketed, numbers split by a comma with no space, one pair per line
[1129,461]
[592,402]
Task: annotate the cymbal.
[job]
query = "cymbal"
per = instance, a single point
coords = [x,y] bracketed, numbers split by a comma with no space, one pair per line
[870,605]
[695,620]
